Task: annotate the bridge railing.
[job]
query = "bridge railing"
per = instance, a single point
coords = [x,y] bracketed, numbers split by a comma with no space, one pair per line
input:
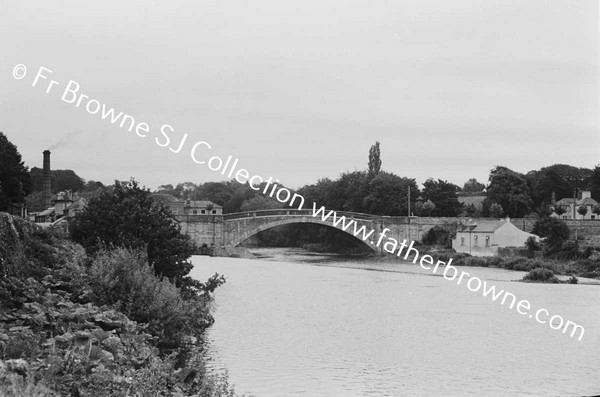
[293,212]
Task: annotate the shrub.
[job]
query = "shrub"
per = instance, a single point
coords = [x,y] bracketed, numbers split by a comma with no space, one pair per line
[554,230]
[532,244]
[128,216]
[123,278]
[438,235]
[541,275]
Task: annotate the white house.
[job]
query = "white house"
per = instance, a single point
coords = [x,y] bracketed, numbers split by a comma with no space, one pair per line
[485,237]
[571,205]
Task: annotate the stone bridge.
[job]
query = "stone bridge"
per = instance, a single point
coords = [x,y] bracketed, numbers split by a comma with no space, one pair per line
[230,230]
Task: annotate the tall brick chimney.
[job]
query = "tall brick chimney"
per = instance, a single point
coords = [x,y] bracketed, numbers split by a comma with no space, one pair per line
[47,191]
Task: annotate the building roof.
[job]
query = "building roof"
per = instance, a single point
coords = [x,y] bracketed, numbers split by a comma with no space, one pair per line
[46,212]
[569,201]
[485,226]
[201,204]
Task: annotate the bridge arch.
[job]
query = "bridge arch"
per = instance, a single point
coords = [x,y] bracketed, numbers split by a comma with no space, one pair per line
[242,229]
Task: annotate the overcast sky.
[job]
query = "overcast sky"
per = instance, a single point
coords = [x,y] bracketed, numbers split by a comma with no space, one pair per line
[300,90]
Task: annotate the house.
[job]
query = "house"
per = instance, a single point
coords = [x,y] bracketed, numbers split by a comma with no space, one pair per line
[570,207]
[485,237]
[65,206]
[195,207]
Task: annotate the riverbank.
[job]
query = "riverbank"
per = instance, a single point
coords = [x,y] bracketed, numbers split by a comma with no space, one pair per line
[102,326]
[516,267]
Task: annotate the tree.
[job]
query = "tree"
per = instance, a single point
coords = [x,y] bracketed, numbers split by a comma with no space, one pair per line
[554,230]
[532,244]
[596,209]
[61,180]
[473,186]
[260,203]
[419,207]
[582,210]
[496,210]
[374,159]
[594,183]
[509,189]
[429,206]
[387,194]
[550,182]
[128,216]
[559,210]
[15,182]
[443,195]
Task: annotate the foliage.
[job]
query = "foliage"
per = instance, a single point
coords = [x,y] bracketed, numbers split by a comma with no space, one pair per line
[554,230]
[428,206]
[15,182]
[532,244]
[438,235]
[123,278]
[260,203]
[443,195]
[374,159]
[387,194]
[541,275]
[548,184]
[473,186]
[594,183]
[62,180]
[582,210]
[128,216]
[596,209]
[496,210]
[559,209]
[54,341]
[510,190]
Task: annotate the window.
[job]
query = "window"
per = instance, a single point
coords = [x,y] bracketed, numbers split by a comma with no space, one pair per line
[564,217]
[462,241]
[214,211]
[593,216]
[194,212]
[487,241]
[475,238]
[204,211]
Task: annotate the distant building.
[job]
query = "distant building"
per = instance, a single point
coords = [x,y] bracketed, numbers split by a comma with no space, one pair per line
[571,205]
[65,206]
[485,237]
[195,207]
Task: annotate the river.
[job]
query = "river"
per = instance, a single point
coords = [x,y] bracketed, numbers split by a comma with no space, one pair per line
[296,324]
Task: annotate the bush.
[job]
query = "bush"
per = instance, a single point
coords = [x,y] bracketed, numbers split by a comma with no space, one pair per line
[128,216]
[123,278]
[532,244]
[541,275]
[438,235]
[554,230]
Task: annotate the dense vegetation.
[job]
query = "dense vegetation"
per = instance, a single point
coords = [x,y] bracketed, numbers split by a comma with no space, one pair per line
[15,182]
[127,215]
[103,325]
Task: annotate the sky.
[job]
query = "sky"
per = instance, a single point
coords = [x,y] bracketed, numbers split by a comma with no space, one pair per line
[300,90]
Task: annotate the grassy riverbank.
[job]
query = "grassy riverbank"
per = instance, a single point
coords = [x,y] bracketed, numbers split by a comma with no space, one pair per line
[73,325]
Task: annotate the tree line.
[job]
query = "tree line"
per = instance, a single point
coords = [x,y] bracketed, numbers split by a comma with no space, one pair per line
[372,190]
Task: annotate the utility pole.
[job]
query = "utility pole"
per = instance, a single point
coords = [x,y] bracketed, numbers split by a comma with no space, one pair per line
[409,200]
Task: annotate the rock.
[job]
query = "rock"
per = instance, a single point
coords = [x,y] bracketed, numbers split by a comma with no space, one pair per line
[82,337]
[18,366]
[64,340]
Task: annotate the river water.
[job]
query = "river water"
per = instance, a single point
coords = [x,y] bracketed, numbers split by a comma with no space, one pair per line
[295,324]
